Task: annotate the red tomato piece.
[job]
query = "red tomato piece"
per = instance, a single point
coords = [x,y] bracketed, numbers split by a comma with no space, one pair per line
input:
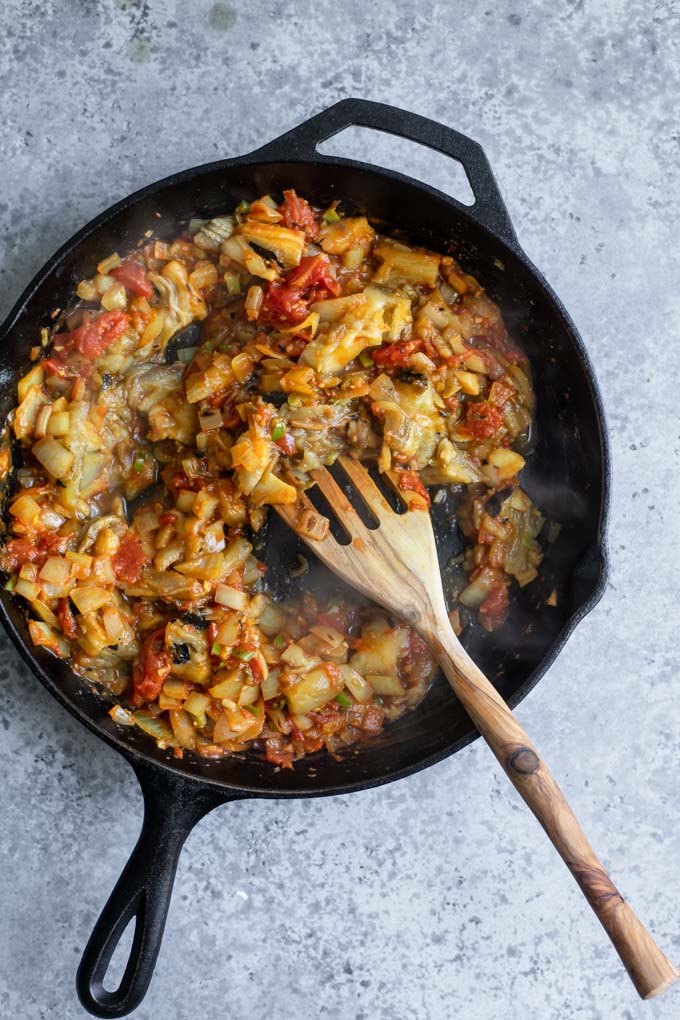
[416,649]
[287,444]
[397,354]
[67,620]
[256,670]
[500,393]
[150,669]
[313,271]
[235,578]
[368,718]
[96,335]
[483,420]
[129,559]
[19,551]
[283,306]
[287,303]
[278,755]
[71,369]
[494,608]
[409,481]
[298,214]
[134,278]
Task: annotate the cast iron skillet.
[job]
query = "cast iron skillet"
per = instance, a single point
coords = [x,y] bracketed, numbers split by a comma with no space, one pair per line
[568,476]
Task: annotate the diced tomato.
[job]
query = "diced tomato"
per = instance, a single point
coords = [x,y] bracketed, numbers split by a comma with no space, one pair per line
[298,214]
[129,559]
[369,718]
[150,669]
[409,481]
[311,740]
[287,444]
[134,278]
[313,271]
[286,303]
[96,335]
[19,551]
[235,578]
[331,710]
[67,620]
[333,672]
[494,608]
[278,755]
[283,306]
[397,354]
[415,650]
[71,369]
[483,420]
[500,393]
[256,670]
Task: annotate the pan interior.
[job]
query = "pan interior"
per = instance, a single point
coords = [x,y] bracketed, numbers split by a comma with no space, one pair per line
[565,476]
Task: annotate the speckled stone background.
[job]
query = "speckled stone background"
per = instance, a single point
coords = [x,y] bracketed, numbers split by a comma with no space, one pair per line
[438,896]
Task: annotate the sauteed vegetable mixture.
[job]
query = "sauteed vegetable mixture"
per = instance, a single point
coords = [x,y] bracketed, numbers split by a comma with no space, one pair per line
[196,383]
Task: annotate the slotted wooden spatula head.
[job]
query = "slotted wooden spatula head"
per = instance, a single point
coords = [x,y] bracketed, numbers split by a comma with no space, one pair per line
[394,564]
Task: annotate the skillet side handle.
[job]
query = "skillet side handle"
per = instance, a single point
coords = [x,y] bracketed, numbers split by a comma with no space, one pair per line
[172,806]
[301,143]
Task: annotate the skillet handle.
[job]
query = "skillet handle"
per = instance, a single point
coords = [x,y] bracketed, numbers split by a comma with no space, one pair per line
[172,806]
[302,142]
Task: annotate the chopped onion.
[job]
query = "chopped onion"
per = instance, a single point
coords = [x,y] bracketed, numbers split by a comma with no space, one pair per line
[89,597]
[55,570]
[25,509]
[210,420]
[28,589]
[253,302]
[54,457]
[121,716]
[232,598]
[388,686]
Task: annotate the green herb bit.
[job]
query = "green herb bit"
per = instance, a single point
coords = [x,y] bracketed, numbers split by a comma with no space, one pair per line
[366,359]
[278,429]
[249,708]
[233,283]
[216,648]
[11,584]
[343,700]
[331,215]
[279,641]
[244,654]
[138,463]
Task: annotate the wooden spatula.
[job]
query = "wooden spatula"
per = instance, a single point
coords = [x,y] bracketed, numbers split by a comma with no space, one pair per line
[396,565]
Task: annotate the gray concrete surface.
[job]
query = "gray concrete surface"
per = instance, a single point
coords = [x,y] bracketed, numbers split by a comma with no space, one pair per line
[437,896]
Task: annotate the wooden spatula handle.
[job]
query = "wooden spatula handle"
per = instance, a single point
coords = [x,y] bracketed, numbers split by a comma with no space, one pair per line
[649,968]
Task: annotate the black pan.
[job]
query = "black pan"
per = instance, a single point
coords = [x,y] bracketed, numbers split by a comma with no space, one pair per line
[568,476]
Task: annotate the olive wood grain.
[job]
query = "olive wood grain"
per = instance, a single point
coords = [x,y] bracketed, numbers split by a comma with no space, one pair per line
[396,565]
